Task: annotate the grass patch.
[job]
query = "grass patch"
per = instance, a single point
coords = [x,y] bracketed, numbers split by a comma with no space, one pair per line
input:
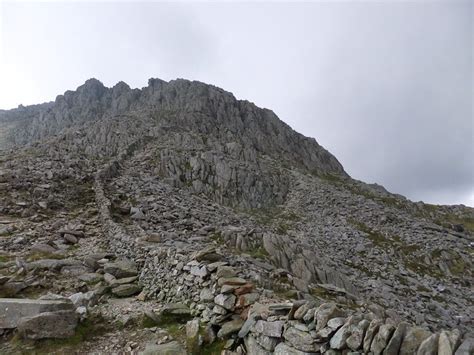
[281,219]
[217,237]
[40,256]
[213,349]
[258,253]
[5,258]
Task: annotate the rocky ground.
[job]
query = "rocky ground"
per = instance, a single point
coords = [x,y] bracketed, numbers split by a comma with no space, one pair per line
[146,230]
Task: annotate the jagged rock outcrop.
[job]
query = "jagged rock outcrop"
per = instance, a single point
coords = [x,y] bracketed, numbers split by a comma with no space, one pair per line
[214,143]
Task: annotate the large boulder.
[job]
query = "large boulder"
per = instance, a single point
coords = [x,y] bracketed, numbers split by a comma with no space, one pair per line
[60,324]
[466,348]
[13,309]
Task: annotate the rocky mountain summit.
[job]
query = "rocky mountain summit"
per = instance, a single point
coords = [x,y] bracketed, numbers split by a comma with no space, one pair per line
[177,219]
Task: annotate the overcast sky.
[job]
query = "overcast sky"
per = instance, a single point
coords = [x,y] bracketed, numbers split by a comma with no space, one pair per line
[386,86]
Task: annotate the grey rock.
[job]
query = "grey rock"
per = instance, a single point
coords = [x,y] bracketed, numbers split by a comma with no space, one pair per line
[253,347]
[338,340]
[356,339]
[230,327]
[429,346]
[448,342]
[192,336]
[270,329]
[395,342]
[370,334]
[382,338]
[325,312]
[225,301]
[126,290]
[412,340]
[59,324]
[300,340]
[121,269]
[206,295]
[13,309]
[285,349]
[466,347]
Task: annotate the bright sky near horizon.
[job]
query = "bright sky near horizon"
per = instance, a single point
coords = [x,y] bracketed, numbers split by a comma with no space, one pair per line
[386,86]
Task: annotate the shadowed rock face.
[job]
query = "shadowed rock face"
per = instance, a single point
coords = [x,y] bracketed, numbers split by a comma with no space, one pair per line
[203,137]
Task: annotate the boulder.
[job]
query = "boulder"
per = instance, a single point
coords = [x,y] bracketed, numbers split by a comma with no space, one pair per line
[230,327]
[300,340]
[395,342]
[429,346]
[232,281]
[13,309]
[412,340]
[370,334]
[121,269]
[382,338]
[192,336]
[126,290]
[60,324]
[226,271]
[338,340]
[325,312]
[448,342]
[253,347]
[356,339]
[270,329]
[225,301]
[177,312]
[466,347]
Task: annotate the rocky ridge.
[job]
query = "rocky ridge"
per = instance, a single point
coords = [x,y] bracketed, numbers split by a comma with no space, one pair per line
[215,213]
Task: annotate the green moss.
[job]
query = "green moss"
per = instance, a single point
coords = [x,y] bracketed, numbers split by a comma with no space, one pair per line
[420,268]
[332,178]
[259,253]
[457,266]
[147,322]
[174,329]
[377,238]
[5,258]
[39,256]
[282,228]
[217,237]
[281,219]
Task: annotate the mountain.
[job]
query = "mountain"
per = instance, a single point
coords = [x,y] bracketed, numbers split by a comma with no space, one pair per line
[213,208]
